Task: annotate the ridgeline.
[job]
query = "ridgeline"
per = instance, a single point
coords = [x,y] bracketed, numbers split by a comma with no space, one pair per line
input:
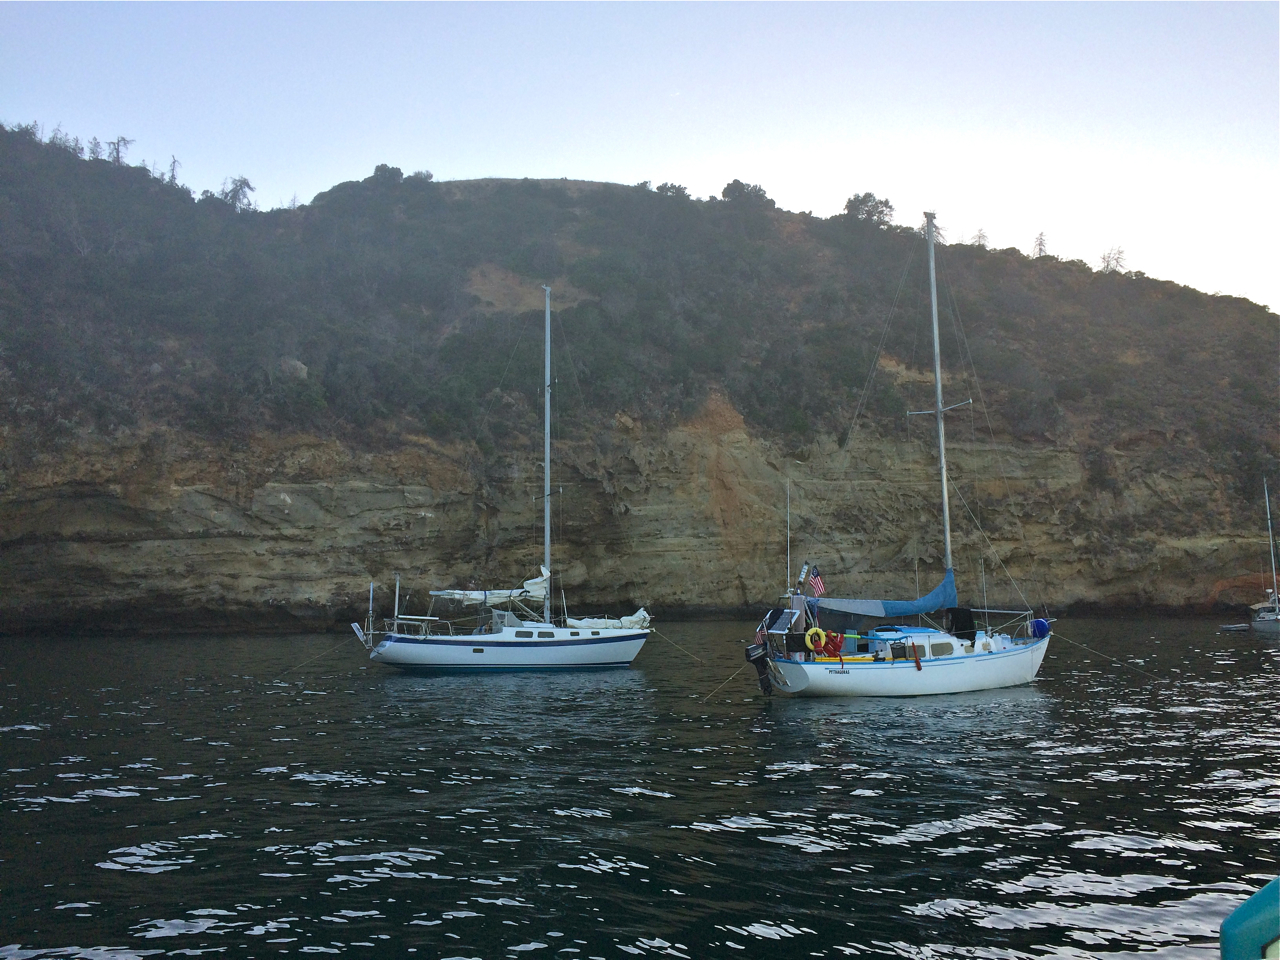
[177,372]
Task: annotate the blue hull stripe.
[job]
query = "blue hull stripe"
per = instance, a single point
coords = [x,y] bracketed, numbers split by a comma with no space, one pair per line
[511,668]
[498,643]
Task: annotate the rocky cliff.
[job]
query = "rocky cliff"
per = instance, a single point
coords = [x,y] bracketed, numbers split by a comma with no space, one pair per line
[215,416]
[171,533]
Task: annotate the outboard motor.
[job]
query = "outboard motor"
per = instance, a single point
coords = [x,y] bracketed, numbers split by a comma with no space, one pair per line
[758,656]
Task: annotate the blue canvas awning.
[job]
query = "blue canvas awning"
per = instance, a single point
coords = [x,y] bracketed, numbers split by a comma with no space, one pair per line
[941,597]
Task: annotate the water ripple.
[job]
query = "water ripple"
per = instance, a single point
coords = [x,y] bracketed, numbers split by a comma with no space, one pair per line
[342,810]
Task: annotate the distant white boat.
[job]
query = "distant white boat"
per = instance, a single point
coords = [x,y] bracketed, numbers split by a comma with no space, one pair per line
[505,633]
[795,655]
[1266,615]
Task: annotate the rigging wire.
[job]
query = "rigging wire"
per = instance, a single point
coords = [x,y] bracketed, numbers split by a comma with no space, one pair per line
[501,380]
[967,351]
[582,401]
[875,359]
[564,339]
[969,511]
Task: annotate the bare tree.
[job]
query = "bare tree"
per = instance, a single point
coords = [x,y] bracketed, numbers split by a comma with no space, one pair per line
[117,148]
[1113,261]
[65,141]
[65,215]
[95,149]
[173,170]
[236,192]
[1041,249]
[980,239]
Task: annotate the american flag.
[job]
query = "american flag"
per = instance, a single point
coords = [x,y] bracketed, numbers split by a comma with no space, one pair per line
[815,581]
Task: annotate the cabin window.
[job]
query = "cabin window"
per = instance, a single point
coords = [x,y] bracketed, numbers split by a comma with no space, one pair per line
[524,633]
[545,633]
[595,633]
[941,649]
[477,649]
[573,633]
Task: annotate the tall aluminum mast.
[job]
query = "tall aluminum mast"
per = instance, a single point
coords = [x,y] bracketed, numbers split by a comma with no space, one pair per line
[937,386]
[547,462]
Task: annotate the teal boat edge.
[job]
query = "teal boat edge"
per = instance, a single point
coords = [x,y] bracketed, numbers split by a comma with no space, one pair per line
[1252,931]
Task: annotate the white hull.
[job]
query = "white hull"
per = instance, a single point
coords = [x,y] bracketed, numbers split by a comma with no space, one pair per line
[900,678]
[1267,626]
[528,647]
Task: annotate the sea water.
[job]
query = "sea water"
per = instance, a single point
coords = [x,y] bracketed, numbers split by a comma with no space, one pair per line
[258,796]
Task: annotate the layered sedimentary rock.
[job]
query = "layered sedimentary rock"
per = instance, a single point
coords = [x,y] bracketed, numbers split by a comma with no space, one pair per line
[276,532]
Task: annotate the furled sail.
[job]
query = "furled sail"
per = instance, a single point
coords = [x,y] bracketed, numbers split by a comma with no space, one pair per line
[637,621]
[941,597]
[533,590]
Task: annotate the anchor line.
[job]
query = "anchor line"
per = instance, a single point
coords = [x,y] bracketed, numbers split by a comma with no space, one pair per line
[676,645]
[316,657]
[1058,636]
[731,676]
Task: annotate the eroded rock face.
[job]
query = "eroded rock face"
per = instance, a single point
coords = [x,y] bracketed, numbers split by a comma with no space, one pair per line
[288,531]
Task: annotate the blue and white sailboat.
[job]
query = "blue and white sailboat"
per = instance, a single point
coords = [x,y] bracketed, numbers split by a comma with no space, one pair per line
[507,633]
[795,655]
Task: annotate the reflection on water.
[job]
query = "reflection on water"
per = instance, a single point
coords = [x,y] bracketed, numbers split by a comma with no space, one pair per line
[204,795]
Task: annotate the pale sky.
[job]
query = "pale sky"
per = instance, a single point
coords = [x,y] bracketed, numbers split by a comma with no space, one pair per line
[1153,127]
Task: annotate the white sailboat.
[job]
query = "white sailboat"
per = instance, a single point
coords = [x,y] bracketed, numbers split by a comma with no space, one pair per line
[506,633]
[1266,615]
[793,653]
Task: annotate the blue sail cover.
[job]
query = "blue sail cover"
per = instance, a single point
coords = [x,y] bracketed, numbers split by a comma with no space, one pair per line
[941,597]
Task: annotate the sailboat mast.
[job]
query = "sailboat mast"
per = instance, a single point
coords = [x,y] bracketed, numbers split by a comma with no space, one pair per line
[546,462]
[1271,540]
[937,387]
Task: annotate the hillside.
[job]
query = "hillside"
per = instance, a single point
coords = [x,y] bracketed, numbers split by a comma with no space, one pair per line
[155,346]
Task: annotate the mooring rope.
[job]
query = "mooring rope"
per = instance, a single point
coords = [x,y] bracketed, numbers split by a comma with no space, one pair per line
[676,645]
[1058,636]
[731,676]
[297,666]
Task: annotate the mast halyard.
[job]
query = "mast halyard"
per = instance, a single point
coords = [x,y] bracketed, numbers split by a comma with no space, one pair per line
[1271,542]
[547,461]
[937,386]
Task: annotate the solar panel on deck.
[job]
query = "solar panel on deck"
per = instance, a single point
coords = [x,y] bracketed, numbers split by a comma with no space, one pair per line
[784,622]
